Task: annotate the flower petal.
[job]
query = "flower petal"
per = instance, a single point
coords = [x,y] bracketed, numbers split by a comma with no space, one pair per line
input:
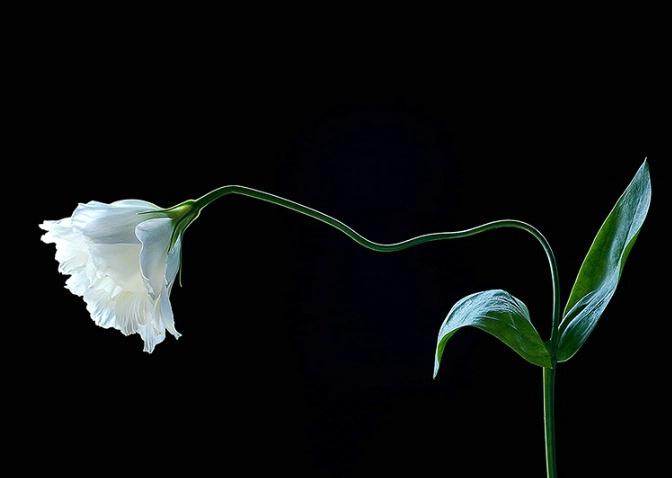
[120,262]
[111,223]
[166,312]
[154,332]
[154,235]
[173,263]
[71,251]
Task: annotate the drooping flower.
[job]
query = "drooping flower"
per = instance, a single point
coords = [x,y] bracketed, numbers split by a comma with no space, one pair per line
[122,259]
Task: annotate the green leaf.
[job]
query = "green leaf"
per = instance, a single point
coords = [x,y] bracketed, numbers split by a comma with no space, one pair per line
[602,268]
[500,314]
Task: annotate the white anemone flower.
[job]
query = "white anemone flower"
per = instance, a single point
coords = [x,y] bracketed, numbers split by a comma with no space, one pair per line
[123,259]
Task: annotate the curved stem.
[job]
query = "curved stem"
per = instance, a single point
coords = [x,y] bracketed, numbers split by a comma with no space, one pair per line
[548,373]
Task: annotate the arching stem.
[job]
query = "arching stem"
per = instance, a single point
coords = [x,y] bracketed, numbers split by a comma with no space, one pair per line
[548,373]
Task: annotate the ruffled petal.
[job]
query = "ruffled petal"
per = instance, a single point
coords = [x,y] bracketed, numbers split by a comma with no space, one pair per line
[101,307]
[133,311]
[152,335]
[77,283]
[71,250]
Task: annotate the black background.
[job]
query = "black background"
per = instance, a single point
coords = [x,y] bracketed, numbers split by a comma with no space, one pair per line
[301,351]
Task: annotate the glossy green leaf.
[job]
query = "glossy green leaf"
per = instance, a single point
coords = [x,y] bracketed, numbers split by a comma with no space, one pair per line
[602,268]
[500,314]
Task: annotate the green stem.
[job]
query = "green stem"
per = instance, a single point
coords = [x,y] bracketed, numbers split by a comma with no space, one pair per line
[549,420]
[548,373]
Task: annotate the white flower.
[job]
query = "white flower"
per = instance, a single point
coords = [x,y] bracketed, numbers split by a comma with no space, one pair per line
[123,259]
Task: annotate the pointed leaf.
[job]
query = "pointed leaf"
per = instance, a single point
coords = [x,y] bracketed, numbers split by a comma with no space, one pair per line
[602,268]
[500,314]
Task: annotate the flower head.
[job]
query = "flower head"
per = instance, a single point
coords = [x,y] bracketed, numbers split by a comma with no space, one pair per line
[123,259]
